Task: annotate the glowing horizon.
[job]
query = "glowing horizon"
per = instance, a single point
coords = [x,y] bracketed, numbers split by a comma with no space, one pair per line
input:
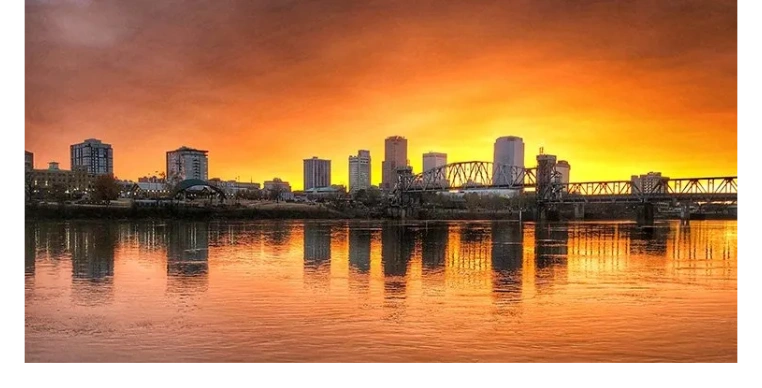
[616,89]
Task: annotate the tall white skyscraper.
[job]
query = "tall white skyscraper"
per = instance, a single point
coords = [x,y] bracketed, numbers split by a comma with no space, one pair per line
[94,155]
[359,171]
[509,153]
[187,163]
[432,160]
[317,173]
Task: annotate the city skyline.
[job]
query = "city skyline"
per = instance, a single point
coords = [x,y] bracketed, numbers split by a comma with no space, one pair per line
[531,163]
[579,79]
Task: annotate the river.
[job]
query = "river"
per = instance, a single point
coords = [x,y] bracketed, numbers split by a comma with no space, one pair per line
[352,291]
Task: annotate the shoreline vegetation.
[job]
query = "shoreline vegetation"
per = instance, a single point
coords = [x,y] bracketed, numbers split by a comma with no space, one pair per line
[270,210]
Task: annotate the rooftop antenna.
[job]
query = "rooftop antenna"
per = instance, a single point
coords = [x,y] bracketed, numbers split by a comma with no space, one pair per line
[542,150]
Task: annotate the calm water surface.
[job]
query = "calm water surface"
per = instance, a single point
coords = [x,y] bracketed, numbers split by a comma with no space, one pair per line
[380,292]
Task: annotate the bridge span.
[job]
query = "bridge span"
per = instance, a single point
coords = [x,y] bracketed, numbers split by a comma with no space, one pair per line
[703,190]
[551,190]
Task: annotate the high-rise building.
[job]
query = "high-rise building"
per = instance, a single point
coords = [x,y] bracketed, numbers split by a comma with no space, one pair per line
[97,157]
[317,173]
[187,163]
[395,156]
[28,161]
[359,171]
[562,169]
[508,158]
[650,183]
[432,160]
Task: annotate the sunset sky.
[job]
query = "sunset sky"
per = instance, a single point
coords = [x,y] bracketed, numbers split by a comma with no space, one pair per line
[615,87]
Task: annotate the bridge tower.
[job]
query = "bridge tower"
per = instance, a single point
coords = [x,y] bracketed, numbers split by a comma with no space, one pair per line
[544,189]
[404,177]
[545,170]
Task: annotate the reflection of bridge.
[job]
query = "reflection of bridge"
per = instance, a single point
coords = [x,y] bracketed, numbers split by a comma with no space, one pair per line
[549,188]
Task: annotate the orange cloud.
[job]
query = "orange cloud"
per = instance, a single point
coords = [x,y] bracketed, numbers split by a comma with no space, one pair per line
[616,88]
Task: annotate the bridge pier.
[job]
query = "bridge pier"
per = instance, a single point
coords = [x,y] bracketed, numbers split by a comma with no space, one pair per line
[645,215]
[579,211]
[541,214]
[544,213]
[685,213]
[402,212]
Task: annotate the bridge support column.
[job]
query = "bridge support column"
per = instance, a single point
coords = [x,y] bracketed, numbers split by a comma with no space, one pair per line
[402,212]
[646,214]
[579,211]
[685,213]
[542,214]
[545,213]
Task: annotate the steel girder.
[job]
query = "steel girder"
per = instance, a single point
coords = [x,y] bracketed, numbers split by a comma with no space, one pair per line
[712,189]
[488,175]
[468,175]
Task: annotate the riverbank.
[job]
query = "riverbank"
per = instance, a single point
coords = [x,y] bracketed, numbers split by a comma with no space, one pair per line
[294,211]
[274,211]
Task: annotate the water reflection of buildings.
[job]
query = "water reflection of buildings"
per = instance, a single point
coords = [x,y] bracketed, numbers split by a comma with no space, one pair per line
[92,248]
[317,245]
[507,258]
[551,254]
[317,256]
[397,247]
[231,233]
[359,249]
[702,252]
[146,236]
[469,270]
[649,241]
[54,240]
[705,251]
[92,251]
[599,240]
[597,250]
[359,241]
[435,247]
[30,249]
[276,234]
[434,242]
[187,256]
[704,241]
